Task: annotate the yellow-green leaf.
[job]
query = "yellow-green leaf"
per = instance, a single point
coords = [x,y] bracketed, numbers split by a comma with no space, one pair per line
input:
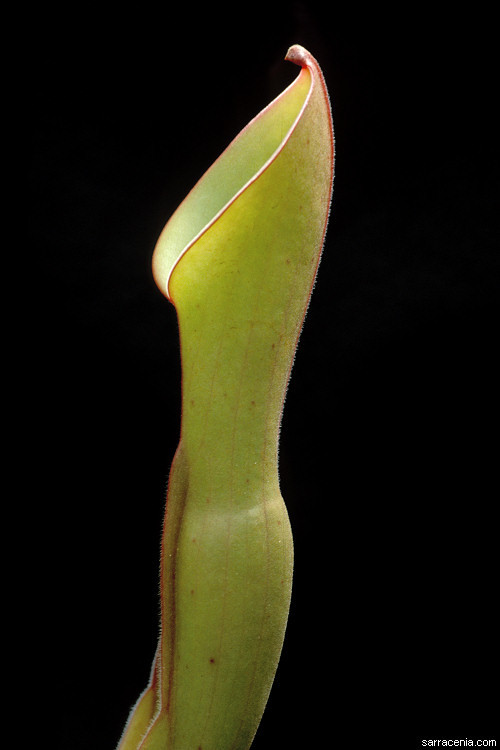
[238,260]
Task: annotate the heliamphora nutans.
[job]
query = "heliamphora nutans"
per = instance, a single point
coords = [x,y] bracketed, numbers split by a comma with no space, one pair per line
[238,260]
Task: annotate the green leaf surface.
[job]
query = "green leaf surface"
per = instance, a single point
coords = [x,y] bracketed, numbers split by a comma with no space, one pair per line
[238,260]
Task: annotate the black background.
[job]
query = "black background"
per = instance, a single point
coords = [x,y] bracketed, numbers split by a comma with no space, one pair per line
[388,458]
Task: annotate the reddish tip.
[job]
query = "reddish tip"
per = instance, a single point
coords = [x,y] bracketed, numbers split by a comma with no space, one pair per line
[299,55]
